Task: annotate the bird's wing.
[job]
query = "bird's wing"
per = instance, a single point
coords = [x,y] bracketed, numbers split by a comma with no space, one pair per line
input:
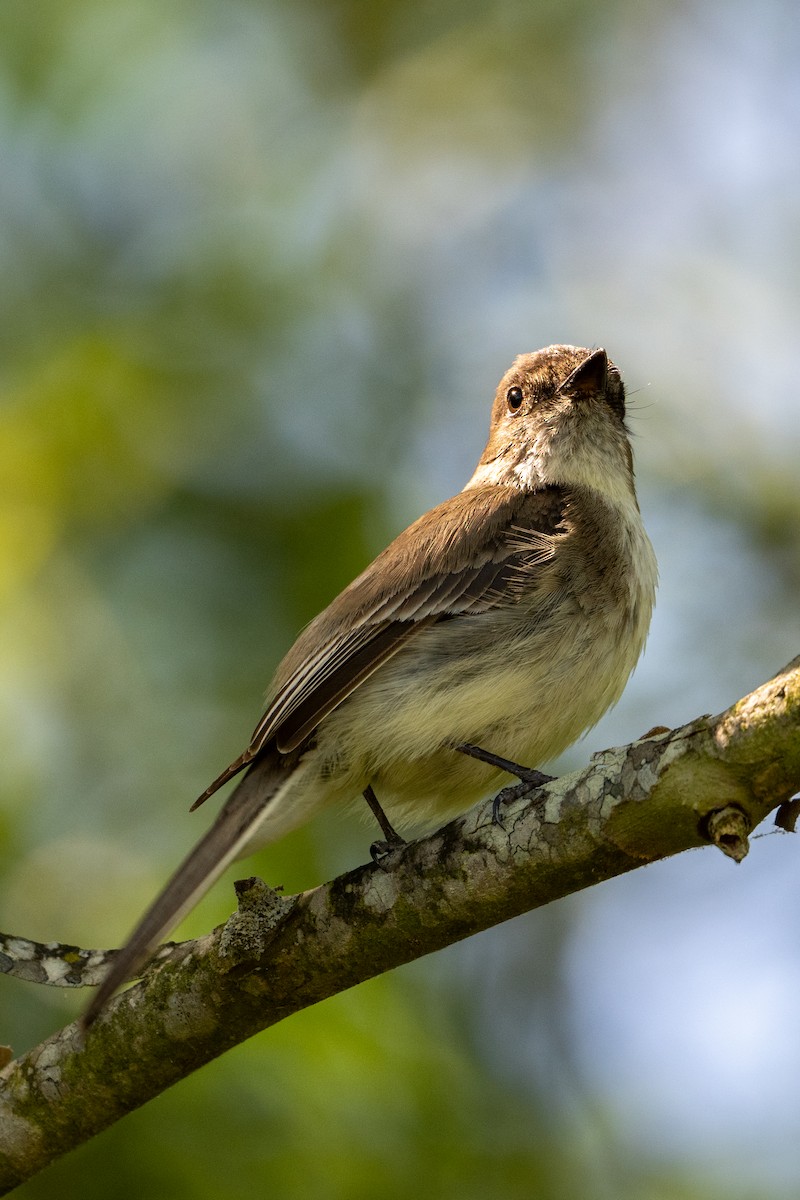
[462,557]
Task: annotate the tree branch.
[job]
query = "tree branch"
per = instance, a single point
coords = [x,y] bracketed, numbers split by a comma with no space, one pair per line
[710,781]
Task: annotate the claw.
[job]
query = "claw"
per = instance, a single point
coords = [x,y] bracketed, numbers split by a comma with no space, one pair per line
[381,850]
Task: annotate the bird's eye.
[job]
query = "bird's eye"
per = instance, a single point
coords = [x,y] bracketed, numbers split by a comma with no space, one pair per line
[514,399]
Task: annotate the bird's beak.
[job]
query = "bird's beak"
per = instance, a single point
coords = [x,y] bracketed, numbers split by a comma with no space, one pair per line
[589,378]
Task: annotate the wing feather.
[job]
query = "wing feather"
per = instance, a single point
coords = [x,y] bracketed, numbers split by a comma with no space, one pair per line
[329,667]
[430,573]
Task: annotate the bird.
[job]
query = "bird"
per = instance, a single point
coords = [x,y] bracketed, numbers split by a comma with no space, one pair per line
[494,631]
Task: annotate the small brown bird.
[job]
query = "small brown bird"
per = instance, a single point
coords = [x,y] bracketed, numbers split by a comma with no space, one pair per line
[504,623]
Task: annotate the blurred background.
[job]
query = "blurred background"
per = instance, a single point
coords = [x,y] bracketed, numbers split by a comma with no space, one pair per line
[261,266]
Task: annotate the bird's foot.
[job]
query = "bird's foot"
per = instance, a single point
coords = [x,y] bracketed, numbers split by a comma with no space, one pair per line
[391,840]
[383,849]
[529,778]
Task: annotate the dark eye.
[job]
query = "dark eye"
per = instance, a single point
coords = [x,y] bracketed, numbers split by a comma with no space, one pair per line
[514,398]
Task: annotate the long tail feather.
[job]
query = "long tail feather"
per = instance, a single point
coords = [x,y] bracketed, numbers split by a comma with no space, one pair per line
[224,841]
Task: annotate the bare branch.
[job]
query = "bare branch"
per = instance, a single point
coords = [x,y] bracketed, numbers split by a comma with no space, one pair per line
[712,780]
[58,964]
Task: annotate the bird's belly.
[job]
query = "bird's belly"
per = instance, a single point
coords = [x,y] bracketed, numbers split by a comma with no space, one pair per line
[520,693]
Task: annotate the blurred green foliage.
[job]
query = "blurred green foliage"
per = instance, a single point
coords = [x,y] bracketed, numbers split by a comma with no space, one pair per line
[239,246]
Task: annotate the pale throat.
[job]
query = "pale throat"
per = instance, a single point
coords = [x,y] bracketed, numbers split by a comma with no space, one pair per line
[600,468]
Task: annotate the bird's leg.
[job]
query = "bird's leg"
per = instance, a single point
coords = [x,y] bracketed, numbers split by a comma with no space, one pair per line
[530,779]
[527,774]
[379,850]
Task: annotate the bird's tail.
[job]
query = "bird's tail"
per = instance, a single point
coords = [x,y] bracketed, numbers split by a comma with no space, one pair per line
[233,830]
